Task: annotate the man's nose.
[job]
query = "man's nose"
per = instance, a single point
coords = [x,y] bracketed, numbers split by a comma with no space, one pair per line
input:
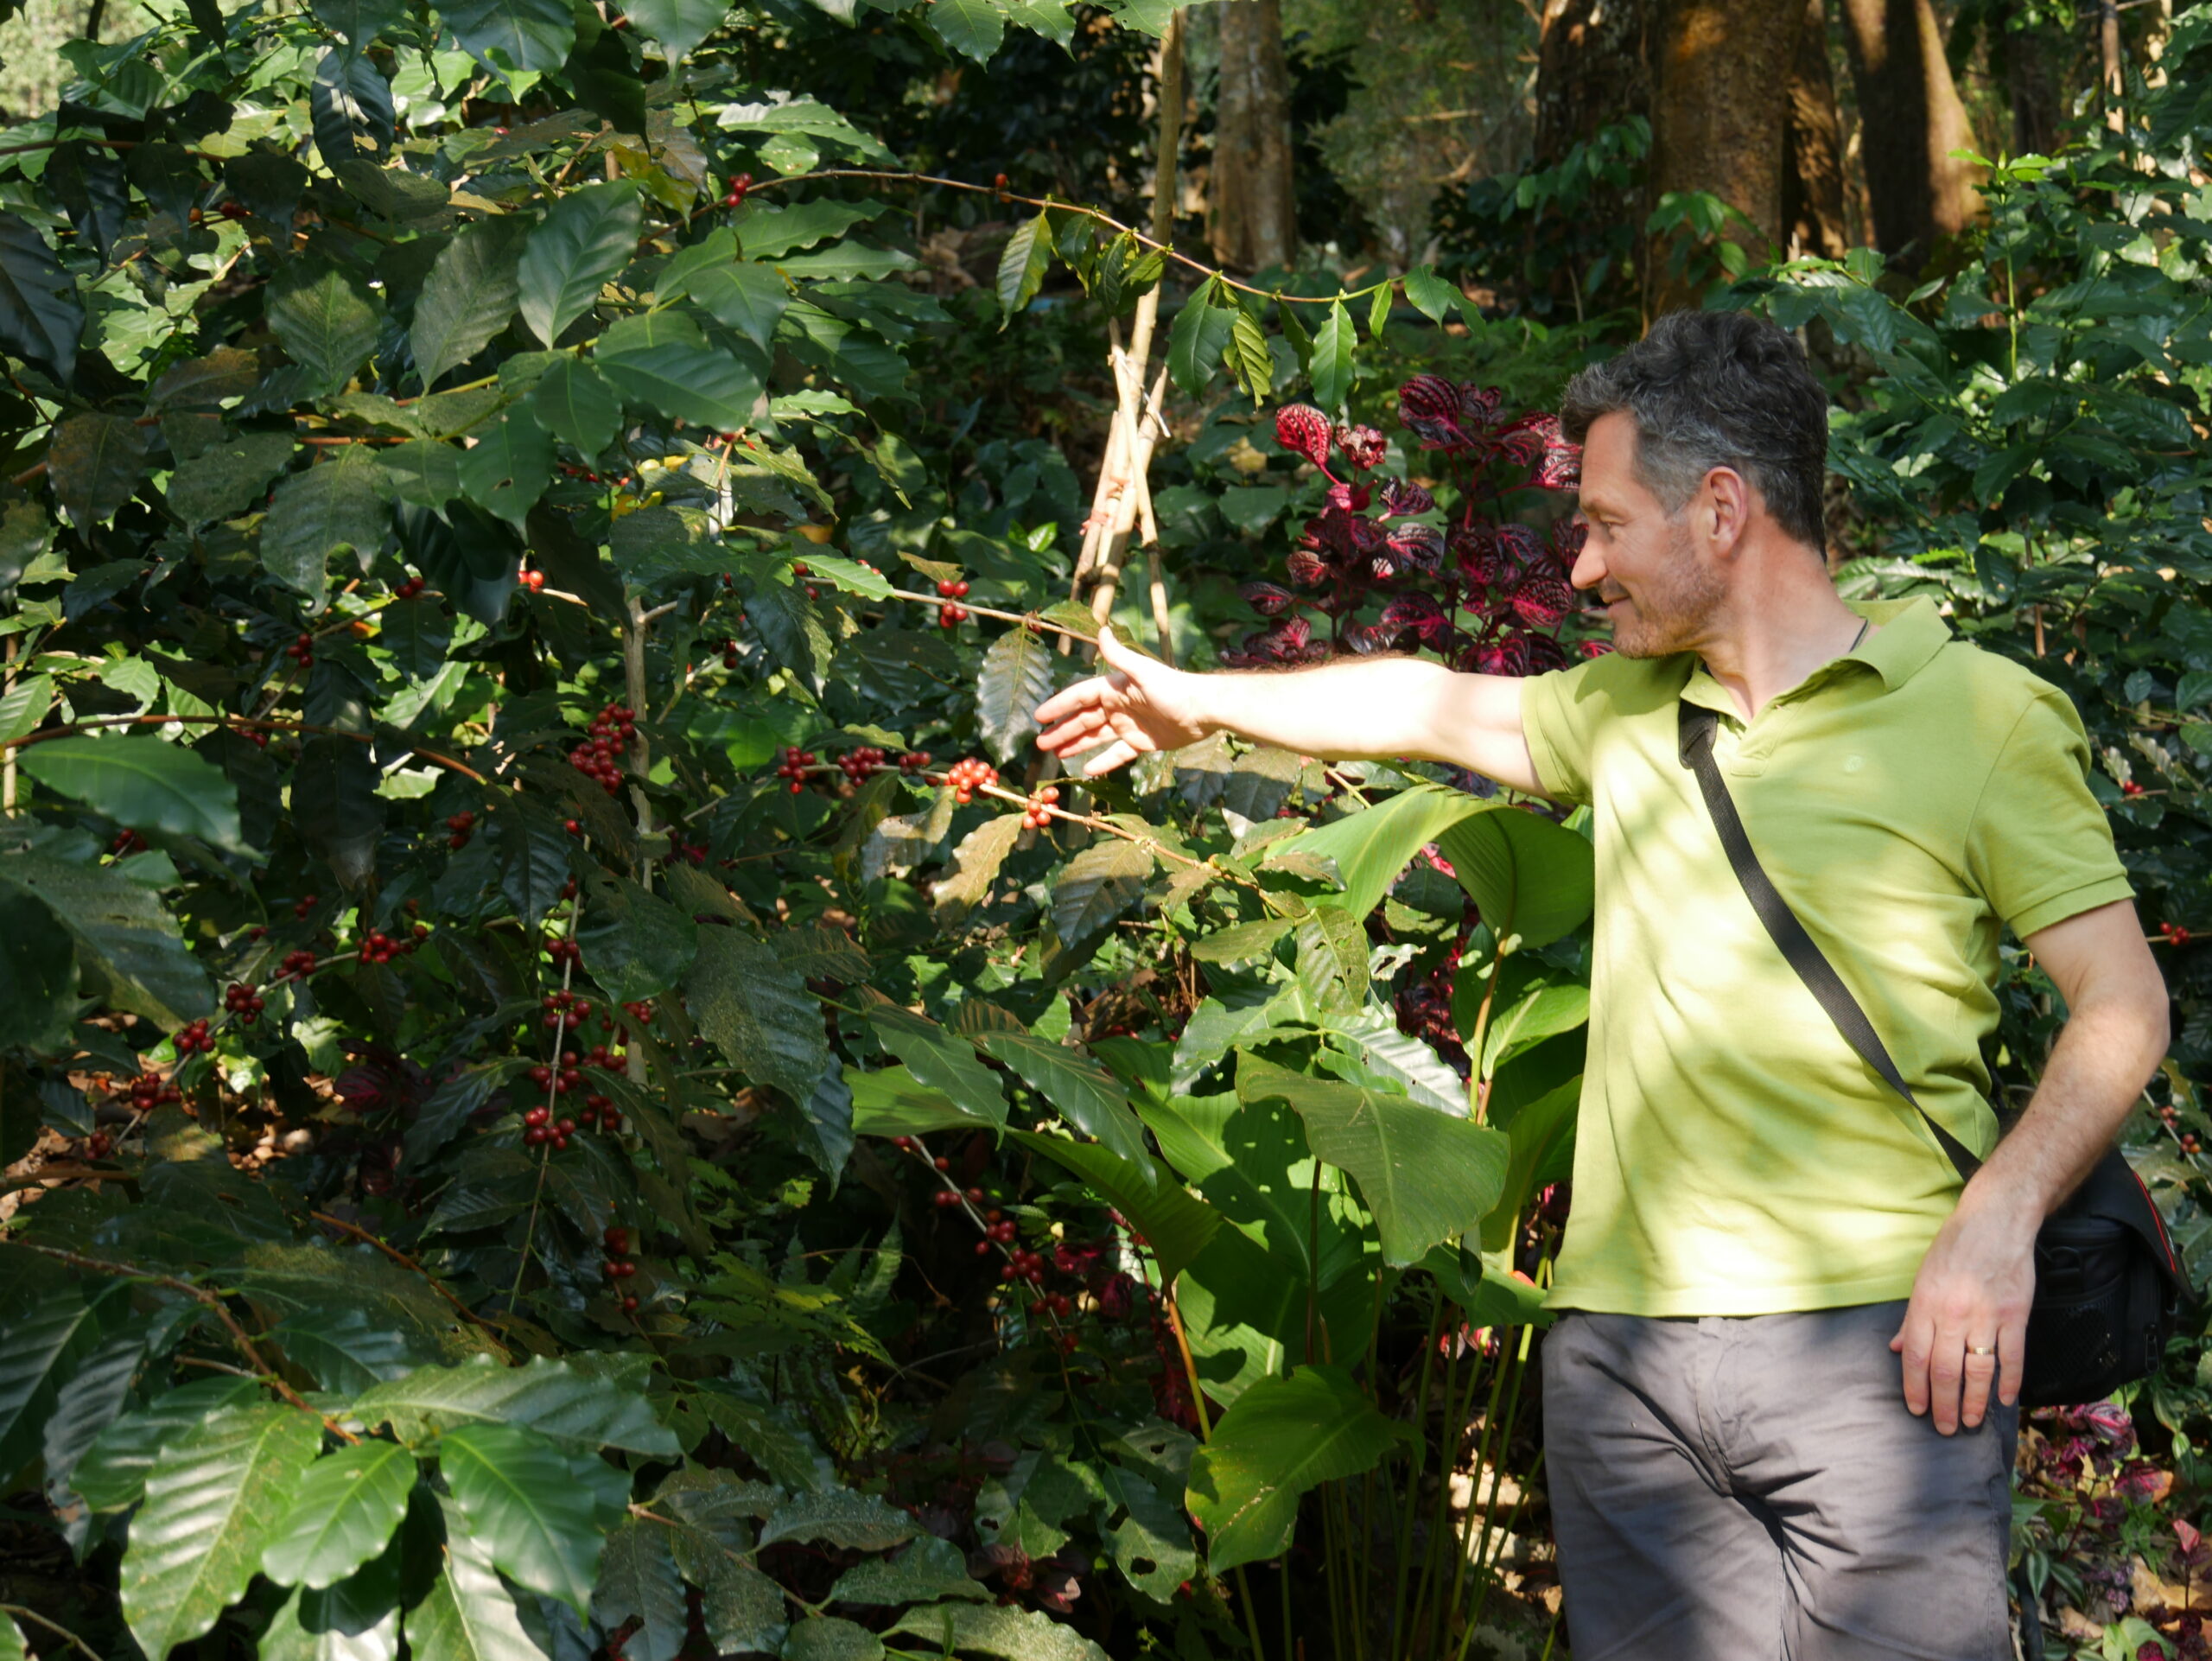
[1589,567]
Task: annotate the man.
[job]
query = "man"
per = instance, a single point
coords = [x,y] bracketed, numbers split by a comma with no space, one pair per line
[1780,1404]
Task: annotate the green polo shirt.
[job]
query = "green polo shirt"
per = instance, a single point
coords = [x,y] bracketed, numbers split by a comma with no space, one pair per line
[1911,799]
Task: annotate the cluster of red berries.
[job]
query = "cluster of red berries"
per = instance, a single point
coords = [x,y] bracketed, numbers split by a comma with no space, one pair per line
[601,1110]
[600,1056]
[195,1037]
[564,951]
[641,1012]
[150,1091]
[1052,1303]
[998,1229]
[296,967]
[127,841]
[2174,934]
[98,1145]
[794,767]
[459,827]
[946,1199]
[729,653]
[738,187]
[301,651]
[556,1083]
[564,1009]
[408,589]
[540,1127]
[1037,813]
[948,616]
[862,764]
[598,757]
[969,776]
[620,1266]
[1024,1265]
[304,903]
[2129,787]
[239,999]
[532,579]
[380,947]
[913,760]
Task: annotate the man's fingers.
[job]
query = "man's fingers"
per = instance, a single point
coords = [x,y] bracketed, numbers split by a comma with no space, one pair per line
[1083,694]
[1946,1360]
[1912,1342]
[1119,754]
[1978,1373]
[1083,724]
[2011,1360]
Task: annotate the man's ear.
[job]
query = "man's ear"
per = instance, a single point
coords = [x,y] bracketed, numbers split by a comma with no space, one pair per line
[1727,508]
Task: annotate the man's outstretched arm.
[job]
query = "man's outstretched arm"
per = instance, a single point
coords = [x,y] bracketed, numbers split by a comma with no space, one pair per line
[1354,707]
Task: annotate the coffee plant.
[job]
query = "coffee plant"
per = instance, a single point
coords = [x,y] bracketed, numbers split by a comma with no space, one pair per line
[571,1085]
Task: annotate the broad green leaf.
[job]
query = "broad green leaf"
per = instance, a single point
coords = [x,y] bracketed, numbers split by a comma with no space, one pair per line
[749,298]
[214,1499]
[1152,1543]
[1174,1225]
[534,35]
[1372,848]
[38,985]
[756,1012]
[24,705]
[939,1061]
[1015,678]
[1430,294]
[1283,1437]
[329,1626]
[335,504]
[112,1473]
[1022,265]
[1200,333]
[977,862]
[769,230]
[49,1337]
[537,1526]
[581,1412]
[469,1614]
[843,1518]
[1332,960]
[574,403]
[1078,1089]
[12,1646]
[124,935]
[1097,886]
[360,23]
[94,463]
[342,1514]
[1331,364]
[1544,1013]
[40,318]
[143,782]
[1530,876]
[583,243]
[229,477]
[326,317]
[829,1638]
[792,630]
[1009,1634]
[336,808]
[849,575]
[636,945]
[468,297]
[1425,1175]
[423,471]
[688,382]
[888,1102]
[509,466]
[1540,1131]
[971,27]
[638,1582]
[1371,1036]
[930,1568]
[679,25]
[345,1347]
[1249,358]
[350,108]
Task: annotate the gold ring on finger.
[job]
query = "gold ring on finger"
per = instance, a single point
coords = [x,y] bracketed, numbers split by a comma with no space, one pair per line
[1981,1349]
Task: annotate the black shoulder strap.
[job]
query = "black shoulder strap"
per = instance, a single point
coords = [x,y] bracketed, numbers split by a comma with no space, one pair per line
[1697,727]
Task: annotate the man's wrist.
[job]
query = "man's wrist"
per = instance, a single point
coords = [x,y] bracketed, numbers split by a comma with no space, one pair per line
[2004,1199]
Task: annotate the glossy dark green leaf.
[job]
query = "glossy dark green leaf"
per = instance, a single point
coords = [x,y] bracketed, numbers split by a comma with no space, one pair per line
[1331,363]
[1097,886]
[535,34]
[112,1473]
[537,1526]
[1430,295]
[1175,1226]
[88,181]
[50,1335]
[94,463]
[792,629]
[1005,1632]
[636,945]
[843,1517]
[345,1347]
[229,477]
[468,1613]
[1201,332]
[587,238]
[326,317]
[350,105]
[468,297]
[336,807]
[939,1059]
[749,298]
[1022,265]
[688,382]
[1015,678]
[582,1412]
[343,1511]
[360,23]
[679,25]
[573,402]
[756,1012]
[507,470]
[40,316]
[638,1582]
[127,942]
[338,504]
[38,976]
[971,27]
[143,782]
[1078,1088]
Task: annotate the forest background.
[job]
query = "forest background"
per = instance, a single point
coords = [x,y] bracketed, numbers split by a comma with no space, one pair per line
[571,1083]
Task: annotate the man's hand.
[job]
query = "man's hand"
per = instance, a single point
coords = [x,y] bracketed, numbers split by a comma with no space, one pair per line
[1972,1293]
[1140,704]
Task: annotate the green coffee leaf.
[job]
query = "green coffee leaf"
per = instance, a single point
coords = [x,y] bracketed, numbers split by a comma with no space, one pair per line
[1331,364]
[509,466]
[1009,1634]
[574,403]
[122,932]
[1097,886]
[468,1614]
[24,705]
[843,1517]
[636,945]
[587,238]
[688,382]
[971,27]
[537,1526]
[143,782]
[939,1061]
[1015,678]
[343,1511]
[93,464]
[1430,294]
[228,477]
[1027,257]
[679,25]
[1201,332]
[756,1012]
[1078,1089]
[581,1412]
[829,1638]
[534,35]
[337,503]
[40,316]
[638,1581]
[468,297]
[326,317]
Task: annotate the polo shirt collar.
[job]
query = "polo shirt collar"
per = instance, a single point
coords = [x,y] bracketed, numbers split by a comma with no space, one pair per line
[1907,634]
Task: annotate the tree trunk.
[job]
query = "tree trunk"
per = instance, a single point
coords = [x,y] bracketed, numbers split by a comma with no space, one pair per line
[1593,67]
[1911,121]
[1811,154]
[2023,57]
[1720,74]
[1253,218]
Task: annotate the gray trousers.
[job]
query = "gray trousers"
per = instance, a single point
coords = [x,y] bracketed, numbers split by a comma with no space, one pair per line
[1753,1489]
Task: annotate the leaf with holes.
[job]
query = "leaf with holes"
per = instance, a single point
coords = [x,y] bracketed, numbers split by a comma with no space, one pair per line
[342,1514]
[1097,886]
[1282,1438]
[93,462]
[581,1412]
[468,297]
[339,504]
[756,1012]
[538,1526]
[587,238]
[214,1500]
[143,782]
[638,1582]
[1015,678]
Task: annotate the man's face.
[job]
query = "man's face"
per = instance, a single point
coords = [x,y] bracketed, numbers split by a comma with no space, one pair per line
[1659,593]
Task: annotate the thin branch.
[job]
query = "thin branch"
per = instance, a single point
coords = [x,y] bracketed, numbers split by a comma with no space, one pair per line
[404,1262]
[253,722]
[56,1627]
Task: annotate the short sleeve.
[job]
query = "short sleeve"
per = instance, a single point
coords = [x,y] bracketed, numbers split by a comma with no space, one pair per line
[1559,715]
[2039,847]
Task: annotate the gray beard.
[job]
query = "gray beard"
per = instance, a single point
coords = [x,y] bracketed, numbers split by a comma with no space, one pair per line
[1671,613]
